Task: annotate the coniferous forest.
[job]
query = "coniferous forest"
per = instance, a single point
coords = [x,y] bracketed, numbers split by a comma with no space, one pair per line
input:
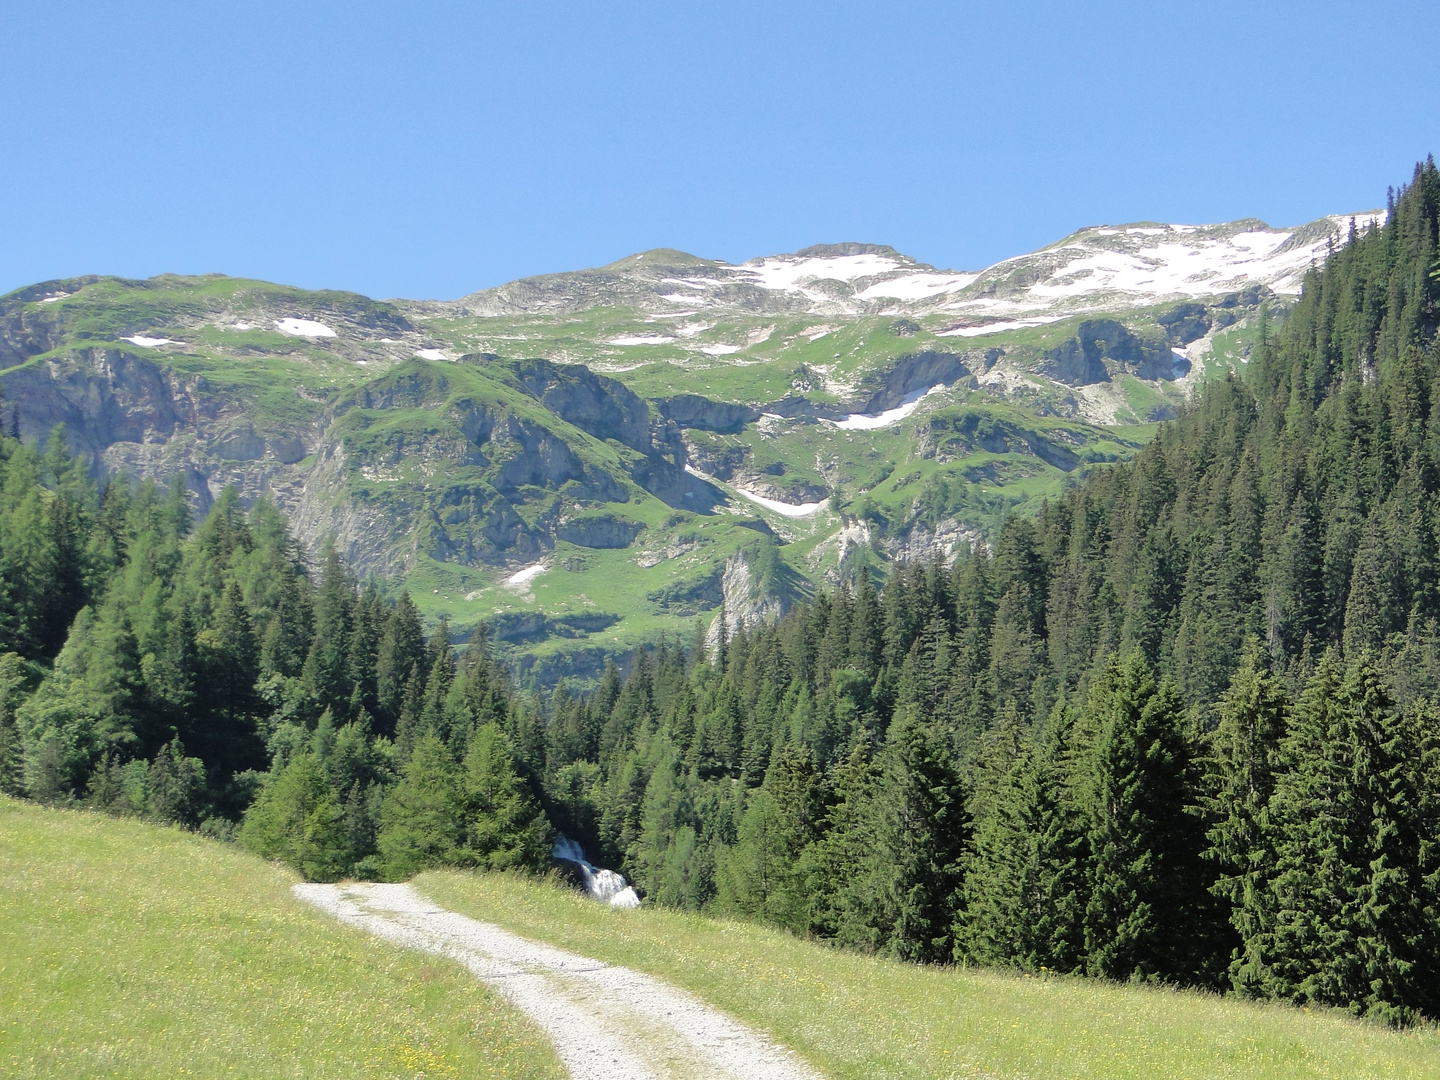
[1181,724]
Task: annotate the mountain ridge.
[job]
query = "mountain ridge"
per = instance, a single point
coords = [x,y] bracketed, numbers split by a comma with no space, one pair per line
[1306,242]
[796,404]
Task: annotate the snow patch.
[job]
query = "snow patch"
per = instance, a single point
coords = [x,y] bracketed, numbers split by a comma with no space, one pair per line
[720,350]
[307,328]
[149,342]
[992,328]
[795,510]
[919,286]
[431,354]
[642,339]
[520,577]
[866,422]
[786,273]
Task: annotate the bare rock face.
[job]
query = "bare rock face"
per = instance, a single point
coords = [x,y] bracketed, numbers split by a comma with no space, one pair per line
[599,531]
[917,371]
[694,411]
[1081,360]
[944,540]
[747,602]
[599,406]
[104,396]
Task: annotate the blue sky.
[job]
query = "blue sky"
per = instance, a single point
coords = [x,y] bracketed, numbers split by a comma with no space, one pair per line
[428,149]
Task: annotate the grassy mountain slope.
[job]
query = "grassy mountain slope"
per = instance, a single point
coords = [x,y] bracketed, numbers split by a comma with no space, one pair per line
[856,1016]
[131,950]
[846,403]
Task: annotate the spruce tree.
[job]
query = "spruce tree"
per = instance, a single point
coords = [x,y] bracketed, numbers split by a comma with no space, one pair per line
[423,822]
[12,747]
[1025,888]
[902,902]
[1141,915]
[176,786]
[1348,919]
[298,819]
[326,666]
[506,828]
[1243,769]
[765,874]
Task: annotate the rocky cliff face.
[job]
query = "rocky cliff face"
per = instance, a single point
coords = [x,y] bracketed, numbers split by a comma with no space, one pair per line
[746,600]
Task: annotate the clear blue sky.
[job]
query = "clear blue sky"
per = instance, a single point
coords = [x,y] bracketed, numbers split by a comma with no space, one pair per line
[429,149]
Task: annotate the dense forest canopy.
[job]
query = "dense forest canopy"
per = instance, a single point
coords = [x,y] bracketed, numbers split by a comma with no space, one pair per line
[1180,725]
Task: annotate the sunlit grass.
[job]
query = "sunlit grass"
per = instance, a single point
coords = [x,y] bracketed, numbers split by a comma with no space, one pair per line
[127,950]
[855,1016]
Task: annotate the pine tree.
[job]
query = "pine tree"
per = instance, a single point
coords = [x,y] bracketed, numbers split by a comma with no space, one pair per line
[1243,771]
[506,827]
[1140,919]
[423,821]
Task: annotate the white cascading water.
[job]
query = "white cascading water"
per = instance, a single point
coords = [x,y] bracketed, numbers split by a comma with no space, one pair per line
[604,885]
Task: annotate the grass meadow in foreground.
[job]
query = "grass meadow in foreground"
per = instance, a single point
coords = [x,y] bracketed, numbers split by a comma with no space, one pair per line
[857,1016]
[128,950]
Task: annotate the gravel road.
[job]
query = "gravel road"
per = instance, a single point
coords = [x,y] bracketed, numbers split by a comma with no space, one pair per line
[606,1022]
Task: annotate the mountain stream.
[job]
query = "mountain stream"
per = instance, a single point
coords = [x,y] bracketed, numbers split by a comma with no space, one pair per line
[607,886]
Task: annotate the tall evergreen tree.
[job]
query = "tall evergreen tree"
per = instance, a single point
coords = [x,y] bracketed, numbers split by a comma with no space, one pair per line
[1142,919]
[1347,919]
[1244,768]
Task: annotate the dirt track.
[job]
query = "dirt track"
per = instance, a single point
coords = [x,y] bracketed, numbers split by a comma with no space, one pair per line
[606,1022]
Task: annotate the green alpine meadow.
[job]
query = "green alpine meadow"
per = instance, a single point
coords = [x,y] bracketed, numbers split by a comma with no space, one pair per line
[885,670]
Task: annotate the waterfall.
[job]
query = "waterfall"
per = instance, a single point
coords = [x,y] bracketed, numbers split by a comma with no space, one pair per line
[604,885]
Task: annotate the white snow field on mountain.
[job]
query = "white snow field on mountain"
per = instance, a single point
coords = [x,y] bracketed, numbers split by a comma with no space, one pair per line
[1095,268]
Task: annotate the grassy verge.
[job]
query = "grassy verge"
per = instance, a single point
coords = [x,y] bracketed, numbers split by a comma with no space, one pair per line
[854,1016]
[128,950]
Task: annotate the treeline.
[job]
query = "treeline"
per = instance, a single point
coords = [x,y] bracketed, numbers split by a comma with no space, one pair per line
[1289,851]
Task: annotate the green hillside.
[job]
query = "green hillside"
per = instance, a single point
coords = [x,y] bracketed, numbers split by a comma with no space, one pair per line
[427,442]
[859,1017]
[128,950]
[1116,742]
